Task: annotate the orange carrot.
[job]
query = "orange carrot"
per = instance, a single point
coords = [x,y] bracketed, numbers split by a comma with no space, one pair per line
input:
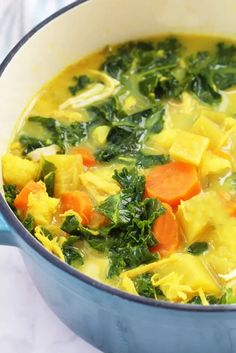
[78,201]
[166,231]
[21,200]
[173,182]
[86,154]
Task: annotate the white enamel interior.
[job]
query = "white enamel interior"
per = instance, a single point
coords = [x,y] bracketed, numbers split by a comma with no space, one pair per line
[91,26]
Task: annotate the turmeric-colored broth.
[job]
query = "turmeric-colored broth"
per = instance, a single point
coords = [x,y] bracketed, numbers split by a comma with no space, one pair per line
[59,177]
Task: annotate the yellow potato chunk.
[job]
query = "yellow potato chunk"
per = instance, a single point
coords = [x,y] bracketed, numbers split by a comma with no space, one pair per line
[199,214]
[68,170]
[229,123]
[214,165]
[205,127]
[181,276]
[188,147]
[17,170]
[222,257]
[42,207]
[99,183]
[164,139]
[216,117]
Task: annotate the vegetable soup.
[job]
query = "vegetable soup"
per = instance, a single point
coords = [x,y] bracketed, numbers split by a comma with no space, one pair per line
[124,167]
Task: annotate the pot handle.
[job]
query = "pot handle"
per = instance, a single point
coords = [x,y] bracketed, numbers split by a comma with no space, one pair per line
[6,236]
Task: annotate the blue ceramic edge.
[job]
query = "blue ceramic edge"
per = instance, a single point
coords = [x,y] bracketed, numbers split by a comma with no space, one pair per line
[7,217]
[6,235]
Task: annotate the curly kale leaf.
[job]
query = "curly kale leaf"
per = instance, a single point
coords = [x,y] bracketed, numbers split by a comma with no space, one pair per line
[126,135]
[81,82]
[144,287]
[147,161]
[71,252]
[29,223]
[10,192]
[129,234]
[62,135]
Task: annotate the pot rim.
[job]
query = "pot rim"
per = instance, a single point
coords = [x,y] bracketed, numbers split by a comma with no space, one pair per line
[27,237]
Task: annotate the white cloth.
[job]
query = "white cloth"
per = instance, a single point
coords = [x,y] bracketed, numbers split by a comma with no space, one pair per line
[17,17]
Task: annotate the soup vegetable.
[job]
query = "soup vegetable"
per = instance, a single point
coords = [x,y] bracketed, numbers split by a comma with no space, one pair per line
[124,166]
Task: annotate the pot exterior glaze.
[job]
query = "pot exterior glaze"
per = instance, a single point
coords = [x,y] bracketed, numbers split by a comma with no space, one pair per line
[113,321]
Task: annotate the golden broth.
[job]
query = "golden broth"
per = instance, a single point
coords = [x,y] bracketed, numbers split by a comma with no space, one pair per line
[180,116]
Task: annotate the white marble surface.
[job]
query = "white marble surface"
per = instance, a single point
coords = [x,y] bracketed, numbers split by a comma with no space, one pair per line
[27,325]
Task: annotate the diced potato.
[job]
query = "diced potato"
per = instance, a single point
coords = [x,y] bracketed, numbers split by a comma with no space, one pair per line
[68,170]
[229,123]
[216,117]
[188,147]
[164,140]
[222,257]
[99,135]
[205,127]
[181,276]
[214,165]
[99,183]
[199,214]
[18,171]
[42,207]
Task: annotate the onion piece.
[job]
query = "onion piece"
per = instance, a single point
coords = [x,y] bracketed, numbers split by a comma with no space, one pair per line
[43,151]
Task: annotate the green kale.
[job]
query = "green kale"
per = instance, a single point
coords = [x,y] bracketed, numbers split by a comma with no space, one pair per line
[81,82]
[127,134]
[47,175]
[71,252]
[29,223]
[129,234]
[30,143]
[147,161]
[127,238]
[228,297]
[106,112]
[224,74]
[143,285]
[198,248]
[49,181]
[62,135]
[136,57]
[47,233]
[72,226]
[10,192]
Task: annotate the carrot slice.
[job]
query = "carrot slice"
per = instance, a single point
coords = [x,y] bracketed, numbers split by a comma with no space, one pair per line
[173,182]
[166,231]
[78,201]
[86,154]
[21,200]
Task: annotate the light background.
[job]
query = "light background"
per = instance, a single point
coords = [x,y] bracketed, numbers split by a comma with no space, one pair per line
[27,325]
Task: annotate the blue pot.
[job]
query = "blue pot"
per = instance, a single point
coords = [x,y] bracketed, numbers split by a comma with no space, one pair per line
[109,319]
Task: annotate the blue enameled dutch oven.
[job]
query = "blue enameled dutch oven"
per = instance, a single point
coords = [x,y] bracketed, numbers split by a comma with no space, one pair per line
[109,319]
